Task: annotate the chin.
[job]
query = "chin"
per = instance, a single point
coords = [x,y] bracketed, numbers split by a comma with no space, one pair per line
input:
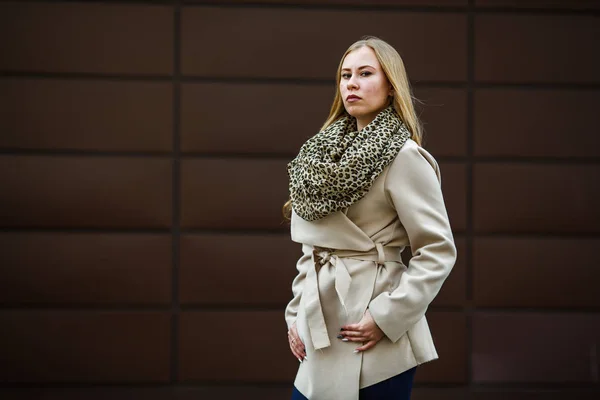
[354,111]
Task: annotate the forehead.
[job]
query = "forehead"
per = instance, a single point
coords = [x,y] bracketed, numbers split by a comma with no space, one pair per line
[360,57]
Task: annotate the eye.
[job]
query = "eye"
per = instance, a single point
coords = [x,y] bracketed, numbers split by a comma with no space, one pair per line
[366,73]
[346,75]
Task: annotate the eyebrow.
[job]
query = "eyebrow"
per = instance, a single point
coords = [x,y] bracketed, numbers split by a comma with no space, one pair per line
[362,67]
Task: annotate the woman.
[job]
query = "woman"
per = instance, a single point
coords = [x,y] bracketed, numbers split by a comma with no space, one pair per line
[361,190]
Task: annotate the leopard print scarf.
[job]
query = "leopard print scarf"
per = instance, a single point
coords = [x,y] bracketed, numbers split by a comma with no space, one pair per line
[336,167]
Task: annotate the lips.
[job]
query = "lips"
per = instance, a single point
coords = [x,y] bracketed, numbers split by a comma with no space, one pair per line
[352,98]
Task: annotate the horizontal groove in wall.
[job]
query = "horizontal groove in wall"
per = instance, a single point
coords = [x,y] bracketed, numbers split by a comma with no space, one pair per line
[537,11]
[83,76]
[82,153]
[236,308]
[92,153]
[132,2]
[141,386]
[401,8]
[198,384]
[544,160]
[366,6]
[570,311]
[590,86]
[276,232]
[91,309]
[138,231]
[121,231]
[475,387]
[284,4]
[84,309]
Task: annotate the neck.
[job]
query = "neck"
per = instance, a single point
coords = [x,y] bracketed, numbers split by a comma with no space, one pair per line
[364,121]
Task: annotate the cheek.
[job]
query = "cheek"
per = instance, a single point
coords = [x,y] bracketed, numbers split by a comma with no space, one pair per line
[375,92]
[367,89]
[381,92]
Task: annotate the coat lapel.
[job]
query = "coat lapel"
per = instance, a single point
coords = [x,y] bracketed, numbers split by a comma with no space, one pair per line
[335,231]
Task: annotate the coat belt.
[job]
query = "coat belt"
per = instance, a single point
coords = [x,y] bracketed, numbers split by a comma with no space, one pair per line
[320,257]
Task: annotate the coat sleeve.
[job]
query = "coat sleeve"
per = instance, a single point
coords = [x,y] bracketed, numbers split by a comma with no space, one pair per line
[291,311]
[413,186]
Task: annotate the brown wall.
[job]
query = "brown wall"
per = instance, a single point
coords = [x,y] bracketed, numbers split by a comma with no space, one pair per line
[143,147]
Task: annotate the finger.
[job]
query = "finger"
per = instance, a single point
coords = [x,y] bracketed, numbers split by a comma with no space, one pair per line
[293,334]
[350,327]
[298,348]
[354,337]
[296,338]
[296,341]
[366,346]
[300,355]
[297,344]
[297,353]
[301,352]
[358,339]
[353,333]
[301,348]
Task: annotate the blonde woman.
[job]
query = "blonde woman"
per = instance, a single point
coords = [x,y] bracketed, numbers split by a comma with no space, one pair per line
[361,190]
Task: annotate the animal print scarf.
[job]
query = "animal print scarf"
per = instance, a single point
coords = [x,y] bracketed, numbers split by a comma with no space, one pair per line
[336,167]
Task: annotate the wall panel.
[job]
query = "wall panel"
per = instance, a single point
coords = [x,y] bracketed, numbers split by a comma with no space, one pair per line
[524,48]
[263,272]
[536,198]
[75,37]
[539,348]
[56,346]
[452,364]
[535,272]
[74,269]
[235,340]
[443,113]
[235,118]
[61,114]
[233,193]
[536,123]
[77,192]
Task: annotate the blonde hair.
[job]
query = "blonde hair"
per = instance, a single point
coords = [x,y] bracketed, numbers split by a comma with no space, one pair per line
[403,99]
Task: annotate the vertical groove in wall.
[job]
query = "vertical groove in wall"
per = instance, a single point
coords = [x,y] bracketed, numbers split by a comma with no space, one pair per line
[176,197]
[469,195]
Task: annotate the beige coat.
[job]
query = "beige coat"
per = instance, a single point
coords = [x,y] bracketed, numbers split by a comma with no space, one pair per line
[352,262]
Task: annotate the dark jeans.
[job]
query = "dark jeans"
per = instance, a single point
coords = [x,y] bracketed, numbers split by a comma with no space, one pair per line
[395,388]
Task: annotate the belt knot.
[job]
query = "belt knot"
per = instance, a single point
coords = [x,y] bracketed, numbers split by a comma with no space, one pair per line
[323,256]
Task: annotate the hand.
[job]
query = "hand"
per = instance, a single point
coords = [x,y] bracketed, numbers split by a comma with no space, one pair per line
[296,345]
[366,330]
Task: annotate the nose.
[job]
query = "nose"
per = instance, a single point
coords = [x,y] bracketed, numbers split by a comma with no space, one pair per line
[352,83]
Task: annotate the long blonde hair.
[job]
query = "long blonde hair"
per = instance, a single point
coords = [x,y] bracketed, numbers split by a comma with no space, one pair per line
[403,99]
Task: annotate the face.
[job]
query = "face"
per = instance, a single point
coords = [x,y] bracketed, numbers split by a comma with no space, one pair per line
[364,88]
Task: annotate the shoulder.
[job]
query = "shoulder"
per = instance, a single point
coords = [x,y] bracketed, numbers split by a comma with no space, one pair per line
[411,154]
[413,161]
